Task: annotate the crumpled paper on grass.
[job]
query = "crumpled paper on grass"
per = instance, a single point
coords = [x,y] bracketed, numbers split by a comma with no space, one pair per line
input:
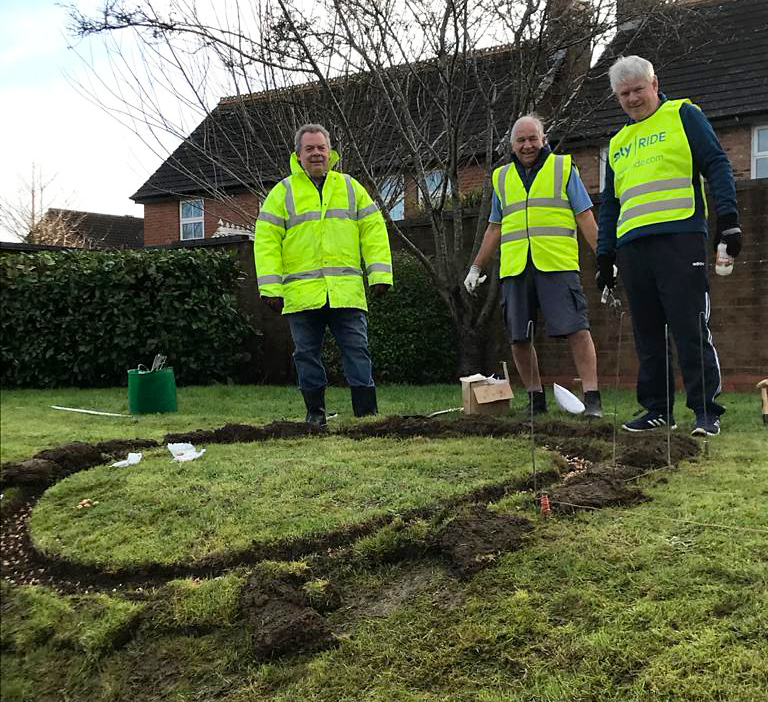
[184,452]
[132,460]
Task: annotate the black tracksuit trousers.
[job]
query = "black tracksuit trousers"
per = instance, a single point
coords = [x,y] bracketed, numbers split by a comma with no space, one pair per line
[665,278]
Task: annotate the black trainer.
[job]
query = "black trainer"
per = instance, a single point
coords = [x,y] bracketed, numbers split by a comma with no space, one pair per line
[648,422]
[593,405]
[706,426]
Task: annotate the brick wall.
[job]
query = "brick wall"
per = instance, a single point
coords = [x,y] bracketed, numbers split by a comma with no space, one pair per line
[162,219]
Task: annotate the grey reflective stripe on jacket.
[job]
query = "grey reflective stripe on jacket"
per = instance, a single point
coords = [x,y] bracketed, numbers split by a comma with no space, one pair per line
[351,212]
[272,219]
[378,268]
[333,271]
[269,279]
[678,203]
[654,186]
[532,232]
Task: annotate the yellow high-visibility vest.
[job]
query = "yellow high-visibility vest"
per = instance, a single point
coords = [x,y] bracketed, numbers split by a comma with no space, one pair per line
[653,170]
[541,218]
[309,253]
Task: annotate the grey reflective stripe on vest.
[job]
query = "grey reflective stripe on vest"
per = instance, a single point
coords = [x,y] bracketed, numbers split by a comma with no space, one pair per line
[269,279]
[655,186]
[514,207]
[551,231]
[650,207]
[379,268]
[272,219]
[514,236]
[322,273]
[351,200]
[559,166]
[501,179]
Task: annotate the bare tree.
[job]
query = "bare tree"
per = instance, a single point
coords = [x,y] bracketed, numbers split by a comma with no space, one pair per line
[29,217]
[416,92]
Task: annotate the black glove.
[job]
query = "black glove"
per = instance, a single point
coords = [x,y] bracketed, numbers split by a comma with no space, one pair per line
[379,289]
[731,237]
[274,303]
[604,276]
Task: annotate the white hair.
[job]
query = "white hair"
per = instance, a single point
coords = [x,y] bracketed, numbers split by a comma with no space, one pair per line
[629,68]
[533,118]
[310,129]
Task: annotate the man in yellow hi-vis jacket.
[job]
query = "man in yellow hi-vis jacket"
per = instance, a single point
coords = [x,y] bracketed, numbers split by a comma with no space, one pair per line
[313,229]
[538,203]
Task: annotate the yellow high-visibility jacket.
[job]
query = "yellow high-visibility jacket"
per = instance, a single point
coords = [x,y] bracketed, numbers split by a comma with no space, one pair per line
[653,170]
[541,218]
[309,253]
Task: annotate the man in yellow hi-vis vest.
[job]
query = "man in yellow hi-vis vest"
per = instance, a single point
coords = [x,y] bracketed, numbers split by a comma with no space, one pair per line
[538,203]
[653,224]
[313,229]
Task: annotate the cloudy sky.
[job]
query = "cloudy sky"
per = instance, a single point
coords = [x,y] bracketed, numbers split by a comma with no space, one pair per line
[94,162]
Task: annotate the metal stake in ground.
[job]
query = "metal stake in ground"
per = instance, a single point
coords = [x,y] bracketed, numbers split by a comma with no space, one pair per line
[616,391]
[529,334]
[703,323]
[669,408]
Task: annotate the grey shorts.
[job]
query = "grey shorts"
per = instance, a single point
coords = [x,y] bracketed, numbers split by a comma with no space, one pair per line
[558,295]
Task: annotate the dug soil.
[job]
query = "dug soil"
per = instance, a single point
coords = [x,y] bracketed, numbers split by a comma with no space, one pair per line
[466,535]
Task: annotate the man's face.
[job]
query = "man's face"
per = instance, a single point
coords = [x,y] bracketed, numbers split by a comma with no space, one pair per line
[314,154]
[527,142]
[639,98]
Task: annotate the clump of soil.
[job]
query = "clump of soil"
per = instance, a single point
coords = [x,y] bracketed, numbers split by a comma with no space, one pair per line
[471,542]
[594,489]
[51,465]
[280,617]
[246,433]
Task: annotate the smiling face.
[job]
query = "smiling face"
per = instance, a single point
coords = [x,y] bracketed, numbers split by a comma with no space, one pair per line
[527,141]
[314,154]
[639,98]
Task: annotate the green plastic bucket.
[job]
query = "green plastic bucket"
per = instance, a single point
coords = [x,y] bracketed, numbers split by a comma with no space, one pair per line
[151,391]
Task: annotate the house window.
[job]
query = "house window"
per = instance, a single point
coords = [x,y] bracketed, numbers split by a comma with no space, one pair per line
[392,192]
[434,182]
[603,160]
[191,219]
[760,151]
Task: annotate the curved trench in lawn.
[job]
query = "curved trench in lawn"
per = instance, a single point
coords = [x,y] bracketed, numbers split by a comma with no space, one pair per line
[467,542]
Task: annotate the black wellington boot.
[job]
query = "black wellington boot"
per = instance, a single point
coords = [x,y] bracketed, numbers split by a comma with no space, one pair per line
[364,401]
[538,400]
[315,401]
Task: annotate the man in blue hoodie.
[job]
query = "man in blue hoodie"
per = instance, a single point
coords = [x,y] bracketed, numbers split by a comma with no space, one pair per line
[653,225]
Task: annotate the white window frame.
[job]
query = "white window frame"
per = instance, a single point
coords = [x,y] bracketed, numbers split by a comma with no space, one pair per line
[602,161]
[440,177]
[392,187]
[755,153]
[192,220]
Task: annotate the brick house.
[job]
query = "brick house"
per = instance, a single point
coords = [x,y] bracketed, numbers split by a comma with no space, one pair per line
[715,53]
[73,228]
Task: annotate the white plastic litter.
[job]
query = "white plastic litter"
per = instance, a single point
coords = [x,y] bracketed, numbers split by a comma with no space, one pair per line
[132,460]
[184,452]
[479,376]
[567,401]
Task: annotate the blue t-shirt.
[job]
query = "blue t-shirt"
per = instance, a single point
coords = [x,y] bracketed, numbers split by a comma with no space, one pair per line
[574,189]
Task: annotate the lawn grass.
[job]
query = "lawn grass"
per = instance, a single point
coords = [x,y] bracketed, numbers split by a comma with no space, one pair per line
[667,600]
[162,512]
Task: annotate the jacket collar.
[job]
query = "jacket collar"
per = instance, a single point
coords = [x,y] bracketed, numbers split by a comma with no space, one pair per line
[296,169]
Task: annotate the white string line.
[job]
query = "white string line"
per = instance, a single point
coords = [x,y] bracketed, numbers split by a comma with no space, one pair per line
[669,519]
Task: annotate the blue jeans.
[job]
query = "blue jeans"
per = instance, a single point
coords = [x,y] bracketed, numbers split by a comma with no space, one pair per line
[350,328]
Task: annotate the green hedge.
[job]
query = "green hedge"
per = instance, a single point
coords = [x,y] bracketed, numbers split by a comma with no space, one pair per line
[83,318]
[411,335]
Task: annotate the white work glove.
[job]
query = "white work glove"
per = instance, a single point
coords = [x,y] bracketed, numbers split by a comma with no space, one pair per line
[473,279]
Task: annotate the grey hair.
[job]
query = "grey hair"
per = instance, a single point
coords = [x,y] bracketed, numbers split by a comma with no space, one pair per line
[534,118]
[628,68]
[310,129]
